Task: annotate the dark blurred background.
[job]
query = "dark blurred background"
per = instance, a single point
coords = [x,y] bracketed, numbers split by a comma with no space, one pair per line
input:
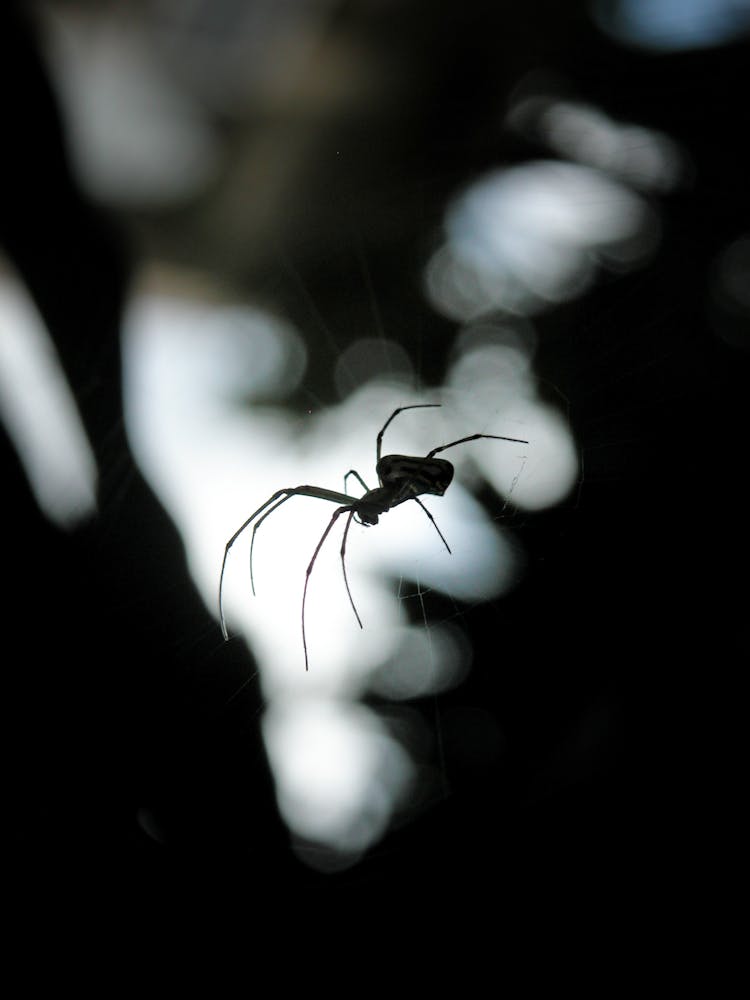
[590,753]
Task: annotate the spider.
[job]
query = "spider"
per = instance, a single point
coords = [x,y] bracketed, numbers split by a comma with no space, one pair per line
[401,478]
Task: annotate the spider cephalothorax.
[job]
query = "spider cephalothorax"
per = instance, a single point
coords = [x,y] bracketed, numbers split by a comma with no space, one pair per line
[401,478]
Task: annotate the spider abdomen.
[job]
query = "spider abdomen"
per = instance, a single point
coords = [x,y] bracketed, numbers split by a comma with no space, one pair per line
[415,475]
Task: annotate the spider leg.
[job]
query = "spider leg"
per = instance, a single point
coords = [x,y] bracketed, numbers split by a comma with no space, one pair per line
[308,571]
[343,566]
[473,437]
[363,484]
[316,492]
[434,523]
[233,539]
[255,528]
[413,406]
[360,480]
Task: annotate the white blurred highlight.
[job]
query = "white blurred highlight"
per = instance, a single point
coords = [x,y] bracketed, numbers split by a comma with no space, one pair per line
[323,754]
[493,374]
[368,358]
[39,412]
[135,139]
[641,156]
[192,368]
[430,660]
[524,238]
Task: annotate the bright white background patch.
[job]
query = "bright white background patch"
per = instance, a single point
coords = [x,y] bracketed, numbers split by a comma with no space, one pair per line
[39,411]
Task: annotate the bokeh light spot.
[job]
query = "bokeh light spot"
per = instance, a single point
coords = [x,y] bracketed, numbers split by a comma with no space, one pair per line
[673,24]
[524,238]
[40,413]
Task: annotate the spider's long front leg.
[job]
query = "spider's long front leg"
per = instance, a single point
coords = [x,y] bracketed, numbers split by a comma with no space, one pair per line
[255,528]
[308,571]
[271,500]
[343,567]
[413,406]
[473,437]
[316,492]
